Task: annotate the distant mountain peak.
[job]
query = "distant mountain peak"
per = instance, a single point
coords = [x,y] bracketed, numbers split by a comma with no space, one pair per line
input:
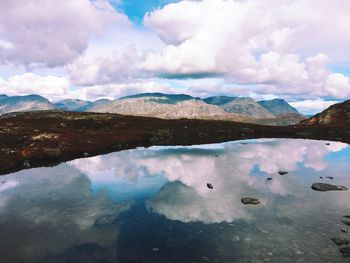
[278,107]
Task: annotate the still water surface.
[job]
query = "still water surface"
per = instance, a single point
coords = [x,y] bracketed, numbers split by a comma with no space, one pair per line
[153,205]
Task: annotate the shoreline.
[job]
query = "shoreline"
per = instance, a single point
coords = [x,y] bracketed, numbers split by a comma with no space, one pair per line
[48,138]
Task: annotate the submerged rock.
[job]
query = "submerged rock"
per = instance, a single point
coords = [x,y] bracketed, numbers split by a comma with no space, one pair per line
[210,186]
[346,223]
[250,201]
[269,179]
[340,241]
[347,216]
[327,187]
[344,230]
[345,250]
[330,177]
[283,172]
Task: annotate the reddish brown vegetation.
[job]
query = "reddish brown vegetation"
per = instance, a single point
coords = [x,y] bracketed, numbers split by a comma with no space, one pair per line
[48,138]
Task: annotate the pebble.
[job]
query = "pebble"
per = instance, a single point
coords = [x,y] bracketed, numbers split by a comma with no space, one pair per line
[210,186]
[344,230]
[250,201]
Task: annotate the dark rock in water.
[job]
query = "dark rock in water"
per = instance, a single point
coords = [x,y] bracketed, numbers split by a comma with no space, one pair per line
[344,230]
[328,143]
[244,143]
[216,155]
[340,241]
[346,223]
[210,186]
[283,172]
[250,201]
[330,177]
[345,250]
[321,177]
[269,179]
[327,187]
[347,216]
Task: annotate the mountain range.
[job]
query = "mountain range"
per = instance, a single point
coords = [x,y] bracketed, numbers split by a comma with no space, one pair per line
[168,106]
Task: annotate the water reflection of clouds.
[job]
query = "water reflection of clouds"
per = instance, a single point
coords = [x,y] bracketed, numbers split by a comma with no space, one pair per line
[55,209]
[229,167]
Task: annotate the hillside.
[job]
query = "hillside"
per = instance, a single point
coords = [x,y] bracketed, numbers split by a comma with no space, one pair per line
[242,105]
[278,107]
[24,103]
[166,108]
[337,114]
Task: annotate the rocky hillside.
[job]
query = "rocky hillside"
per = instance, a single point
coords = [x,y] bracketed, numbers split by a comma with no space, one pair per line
[242,105]
[166,108]
[24,103]
[278,107]
[337,114]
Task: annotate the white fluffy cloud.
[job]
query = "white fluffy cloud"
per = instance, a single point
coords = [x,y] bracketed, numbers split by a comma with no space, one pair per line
[312,106]
[284,44]
[112,91]
[122,67]
[29,83]
[51,33]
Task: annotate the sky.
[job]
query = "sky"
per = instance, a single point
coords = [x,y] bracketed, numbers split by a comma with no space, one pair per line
[298,50]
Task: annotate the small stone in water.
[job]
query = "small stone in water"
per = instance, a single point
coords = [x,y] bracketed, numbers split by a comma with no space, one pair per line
[283,172]
[330,177]
[347,216]
[321,177]
[327,187]
[327,143]
[344,230]
[269,179]
[340,241]
[210,186]
[250,201]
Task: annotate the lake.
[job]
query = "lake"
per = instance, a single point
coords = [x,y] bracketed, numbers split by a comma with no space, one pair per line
[154,205]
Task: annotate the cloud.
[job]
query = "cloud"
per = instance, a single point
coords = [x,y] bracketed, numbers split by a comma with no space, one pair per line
[122,67]
[279,51]
[112,91]
[52,87]
[51,33]
[312,106]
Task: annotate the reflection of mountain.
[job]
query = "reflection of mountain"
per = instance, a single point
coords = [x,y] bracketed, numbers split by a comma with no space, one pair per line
[55,209]
[188,169]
